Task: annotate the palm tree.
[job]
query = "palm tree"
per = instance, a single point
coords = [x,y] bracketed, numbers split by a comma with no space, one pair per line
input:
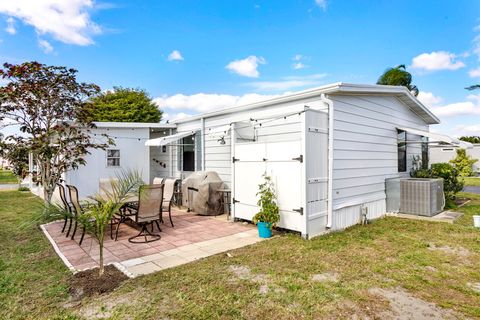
[398,76]
[473,87]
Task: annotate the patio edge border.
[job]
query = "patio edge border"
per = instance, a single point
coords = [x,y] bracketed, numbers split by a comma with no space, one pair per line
[55,247]
[124,270]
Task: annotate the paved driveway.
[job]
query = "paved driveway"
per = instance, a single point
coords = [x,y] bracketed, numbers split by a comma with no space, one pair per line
[472,189]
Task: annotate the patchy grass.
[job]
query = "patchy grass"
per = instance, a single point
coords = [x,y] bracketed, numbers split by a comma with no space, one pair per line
[7,177]
[32,277]
[285,276]
[472,181]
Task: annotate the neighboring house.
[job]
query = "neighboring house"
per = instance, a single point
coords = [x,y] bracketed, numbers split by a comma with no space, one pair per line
[441,154]
[328,149]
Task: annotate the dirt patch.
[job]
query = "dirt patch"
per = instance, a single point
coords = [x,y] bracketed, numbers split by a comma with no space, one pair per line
[474,286]
[404,306]
[244,273]
[87,283]
[104,306]
[326,277]
[461,201]
[458,251]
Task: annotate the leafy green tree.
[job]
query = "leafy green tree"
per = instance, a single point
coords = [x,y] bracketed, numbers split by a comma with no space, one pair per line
[124,105]
[17,155]
[471,139]
[463,163]
[47,103]
[398,76]
[473,87]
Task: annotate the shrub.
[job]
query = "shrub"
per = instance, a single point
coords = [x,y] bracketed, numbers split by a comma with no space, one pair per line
[463,163]
[23,189]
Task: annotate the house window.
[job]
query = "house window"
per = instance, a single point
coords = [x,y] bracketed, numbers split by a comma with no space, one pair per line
[190,153]
[402,150]
[113,158]
[425,152]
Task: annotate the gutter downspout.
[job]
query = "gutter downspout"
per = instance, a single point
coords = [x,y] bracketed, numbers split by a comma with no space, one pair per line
[329,103]
[202,142]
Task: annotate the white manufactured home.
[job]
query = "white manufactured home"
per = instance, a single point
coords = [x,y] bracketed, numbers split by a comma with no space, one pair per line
[328,149]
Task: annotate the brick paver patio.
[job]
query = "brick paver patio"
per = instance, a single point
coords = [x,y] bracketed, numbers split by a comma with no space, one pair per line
[193,237]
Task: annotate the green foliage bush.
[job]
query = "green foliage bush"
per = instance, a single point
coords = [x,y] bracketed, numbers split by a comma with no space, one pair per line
[463,163]
[269,210]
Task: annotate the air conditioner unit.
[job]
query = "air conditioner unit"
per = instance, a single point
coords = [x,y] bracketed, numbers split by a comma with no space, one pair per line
[422,197]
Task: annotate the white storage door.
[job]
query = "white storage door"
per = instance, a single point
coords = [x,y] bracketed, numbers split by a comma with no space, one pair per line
[281,161]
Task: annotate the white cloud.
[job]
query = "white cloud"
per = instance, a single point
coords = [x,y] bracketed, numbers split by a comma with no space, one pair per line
[428,98]
[66,21]
[175,55]
[246,67]
[467,130]
[11,26]
[298,62]
[476,42]
[205,102]
[474,73]
[298,65]
[289,83]
[45,46]
[471,107]
[437,60]
[322,4]
[174,116]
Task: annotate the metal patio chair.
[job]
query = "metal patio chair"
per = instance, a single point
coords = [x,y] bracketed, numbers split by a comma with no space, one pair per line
[148,212]
[168,193]
[66,206]
[77,210]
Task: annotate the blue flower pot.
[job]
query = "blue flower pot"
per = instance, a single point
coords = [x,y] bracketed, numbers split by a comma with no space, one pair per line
[264,230]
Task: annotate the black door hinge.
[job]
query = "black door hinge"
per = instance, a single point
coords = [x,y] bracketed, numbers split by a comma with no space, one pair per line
[234,159]
[299,210]
[235,200]
[300,158]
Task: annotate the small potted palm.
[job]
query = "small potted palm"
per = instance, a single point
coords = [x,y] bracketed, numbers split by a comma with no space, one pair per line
[269,213]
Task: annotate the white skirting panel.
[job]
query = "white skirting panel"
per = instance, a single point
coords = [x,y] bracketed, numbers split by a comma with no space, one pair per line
[349,216]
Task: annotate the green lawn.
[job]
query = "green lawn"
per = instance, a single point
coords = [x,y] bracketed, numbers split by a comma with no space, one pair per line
[387,253]
[7,176]
[472,181]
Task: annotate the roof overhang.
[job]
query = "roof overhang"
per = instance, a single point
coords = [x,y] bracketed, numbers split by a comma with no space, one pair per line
[437,137]
[163,141]
[402,93]
[134,125]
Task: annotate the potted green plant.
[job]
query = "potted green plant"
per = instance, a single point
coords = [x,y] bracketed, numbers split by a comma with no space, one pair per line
[269,213]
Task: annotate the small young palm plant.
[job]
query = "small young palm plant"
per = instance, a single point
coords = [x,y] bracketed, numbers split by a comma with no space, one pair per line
[96,215]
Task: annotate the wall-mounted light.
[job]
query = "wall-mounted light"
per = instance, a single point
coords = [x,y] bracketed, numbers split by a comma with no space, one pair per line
[222,140]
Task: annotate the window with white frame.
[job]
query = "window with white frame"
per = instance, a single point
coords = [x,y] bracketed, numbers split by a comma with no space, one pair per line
[113,158]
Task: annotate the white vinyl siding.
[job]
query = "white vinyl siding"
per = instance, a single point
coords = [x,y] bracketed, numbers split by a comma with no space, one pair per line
[365,146]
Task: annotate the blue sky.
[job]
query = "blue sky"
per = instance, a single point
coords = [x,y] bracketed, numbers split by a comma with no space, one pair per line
[196,56]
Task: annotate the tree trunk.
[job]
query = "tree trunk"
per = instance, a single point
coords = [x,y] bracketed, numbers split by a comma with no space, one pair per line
[101,269]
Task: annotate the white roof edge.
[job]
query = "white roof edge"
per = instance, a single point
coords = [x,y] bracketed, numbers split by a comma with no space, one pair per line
[337,87]
[133,125]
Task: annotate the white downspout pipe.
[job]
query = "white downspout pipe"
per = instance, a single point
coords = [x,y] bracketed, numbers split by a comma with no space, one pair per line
[329,103]
[202,142]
